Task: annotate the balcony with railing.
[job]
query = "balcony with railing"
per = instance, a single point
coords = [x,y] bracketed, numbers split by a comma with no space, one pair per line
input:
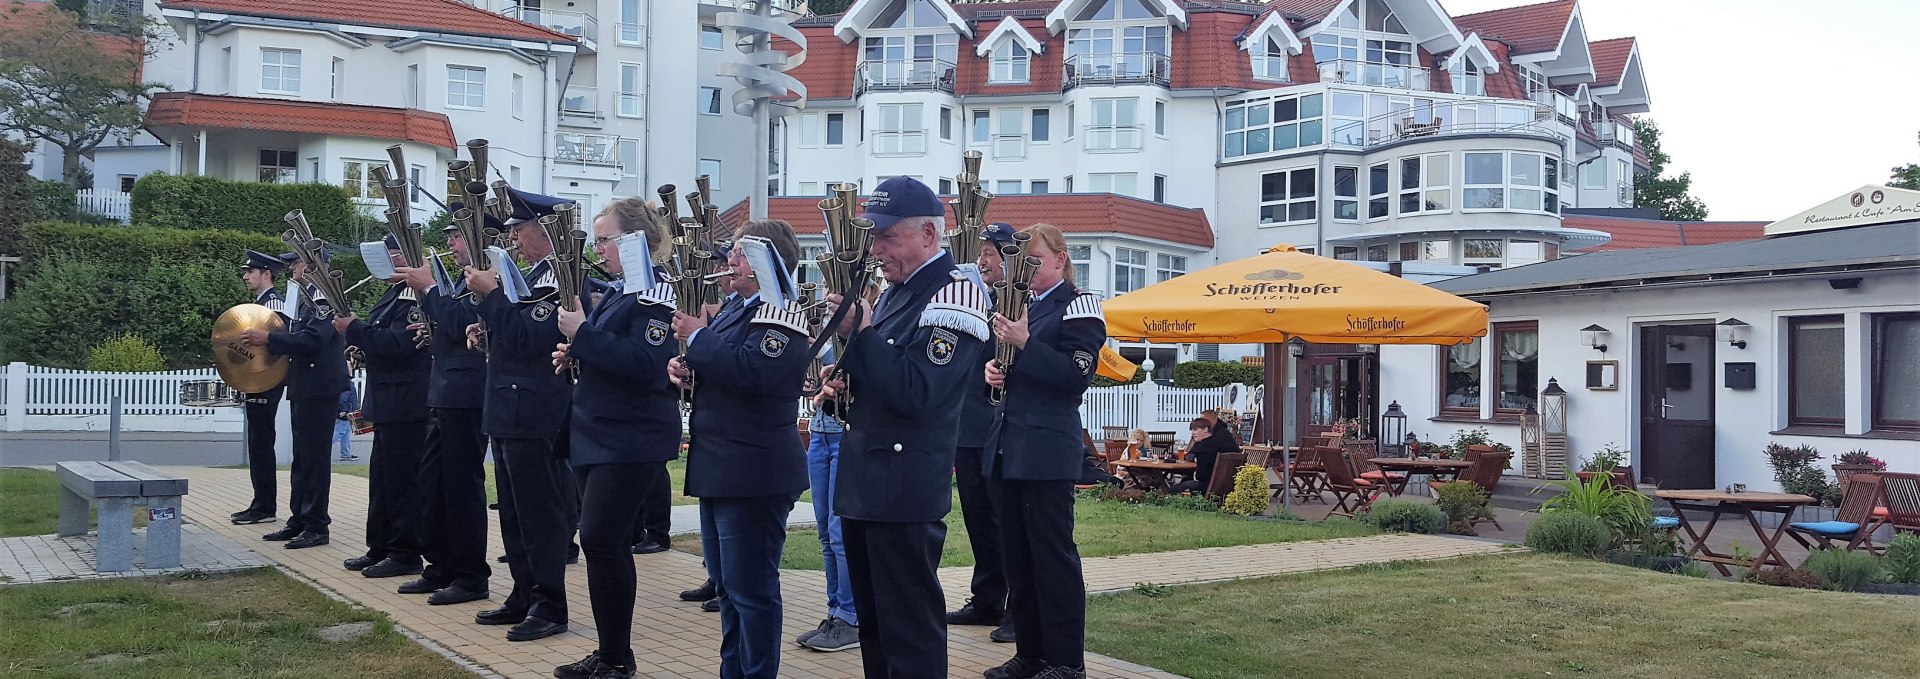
[580,25]
[1617,134]
[632,35]
[1624,193]
[1112,138]
[1378,74]
[1563,106]
[596,150]
[1400,126]
[900,143]
[1137,68]
[583,101]
[903,75]
[1009,146]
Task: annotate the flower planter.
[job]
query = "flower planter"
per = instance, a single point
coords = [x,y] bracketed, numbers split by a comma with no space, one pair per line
[1619,477]
[1843,472]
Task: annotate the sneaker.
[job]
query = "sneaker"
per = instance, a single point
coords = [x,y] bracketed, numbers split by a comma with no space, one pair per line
[838,636]
[975,614]
[809,634]
[579,669]
[349,458]
[1019,667]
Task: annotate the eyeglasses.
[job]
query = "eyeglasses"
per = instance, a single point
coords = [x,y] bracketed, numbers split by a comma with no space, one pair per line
[599,241]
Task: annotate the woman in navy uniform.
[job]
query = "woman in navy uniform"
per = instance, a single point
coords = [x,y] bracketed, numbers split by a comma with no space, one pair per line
[1034,458]
[903,360]
[261,408]
[315,378]
[744,460]
[398,371]
[626,426]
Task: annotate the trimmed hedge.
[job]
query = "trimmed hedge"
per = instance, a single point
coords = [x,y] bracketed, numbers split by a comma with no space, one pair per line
[186,202]
[1209,374]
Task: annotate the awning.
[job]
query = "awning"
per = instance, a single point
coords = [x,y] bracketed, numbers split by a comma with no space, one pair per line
[191,110]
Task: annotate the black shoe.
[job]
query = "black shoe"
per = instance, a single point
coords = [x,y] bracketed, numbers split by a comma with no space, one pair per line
[579,669]
[703,593]
[711,606]
[420,586]
[500,616]
[251,517]
[493,505]
[500,559]
[237,514]
[391,567]
[1018,668]
[1002,634]
[649,547]
[1063,672]
[975,614]
[455,595]
[535,628]
[282,535]
[573,554]
[361,562]
[308,539]
[605,671]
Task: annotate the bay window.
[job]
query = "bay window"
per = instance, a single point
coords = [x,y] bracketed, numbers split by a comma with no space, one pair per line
[1169,267]
[1895,374]
[1513,180]
[1287,196]
[1424,185]
[1115,127]
[1485,189]
[1268,124]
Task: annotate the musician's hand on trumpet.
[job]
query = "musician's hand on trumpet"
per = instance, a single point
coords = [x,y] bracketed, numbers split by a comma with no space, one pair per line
[829,388]
[421,335]
[1011,332]
[561,354]
[340,323]
[420,279]
[570,321]
[860,318]
[684,326]
[482,283]
[995,377]
[678,373]
[475,340]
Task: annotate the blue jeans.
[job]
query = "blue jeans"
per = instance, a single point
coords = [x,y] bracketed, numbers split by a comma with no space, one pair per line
[742,538]
[343,436]
[823,463]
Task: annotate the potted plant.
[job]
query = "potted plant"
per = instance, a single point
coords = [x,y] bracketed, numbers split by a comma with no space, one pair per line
[1607,461]
[1853,462]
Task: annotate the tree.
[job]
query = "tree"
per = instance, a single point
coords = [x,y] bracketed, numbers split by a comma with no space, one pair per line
[1668,194]
[70,85]
[17,204]
[820,7]
[1906,177]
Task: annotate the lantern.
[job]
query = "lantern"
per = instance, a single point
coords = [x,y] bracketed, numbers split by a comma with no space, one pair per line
[1393,430]
[1553,408]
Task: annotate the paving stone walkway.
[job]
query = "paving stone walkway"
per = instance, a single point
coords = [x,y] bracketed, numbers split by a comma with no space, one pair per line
[51,558]
[675,639]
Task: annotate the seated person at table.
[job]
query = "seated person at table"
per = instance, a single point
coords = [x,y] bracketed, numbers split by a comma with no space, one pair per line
[1093,469]
[1205,446]
[1222,430]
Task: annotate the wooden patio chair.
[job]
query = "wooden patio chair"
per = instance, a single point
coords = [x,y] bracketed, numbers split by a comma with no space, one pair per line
[1350,494]
[1114,450]
[1394,483]
[1160,442]
[1305,474]
[1112,433]
[1900,493]
[1224,467]
[1484,471]
[1853,523]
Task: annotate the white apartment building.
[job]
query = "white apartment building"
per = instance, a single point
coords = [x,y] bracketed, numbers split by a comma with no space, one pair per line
[590,99]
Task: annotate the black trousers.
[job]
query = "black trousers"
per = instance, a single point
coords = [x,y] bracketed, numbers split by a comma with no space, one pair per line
[983,531]
[394,502]
[1047,596]
[653,508]
[312,463]
[453,482]
[896,589]
[606,521]
[261,409]
[534,524]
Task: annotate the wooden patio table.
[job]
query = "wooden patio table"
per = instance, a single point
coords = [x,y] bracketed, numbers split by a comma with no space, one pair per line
[1413,465]
[1153,473]
[1720,503]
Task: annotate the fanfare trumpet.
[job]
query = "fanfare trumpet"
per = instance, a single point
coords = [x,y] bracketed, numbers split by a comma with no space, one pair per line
[845,270]
[693,270]
[1011,298]
[969,210]
[299,238]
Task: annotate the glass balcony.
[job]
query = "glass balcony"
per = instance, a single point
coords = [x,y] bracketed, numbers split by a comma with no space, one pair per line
[904,75]
[1009,146]
[1562,105]
[580,101]
[598,150]
[1113,138]
[1618,134]
[899,143]
[1377,74]
[1150,68]
[633,35]
[577,24]
[1625,194]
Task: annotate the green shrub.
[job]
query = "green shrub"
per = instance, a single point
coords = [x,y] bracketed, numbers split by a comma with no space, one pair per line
[1212,374]
[54,200]
[1569,533]
[1463,502]
[1139,375]
[1477,436]
[1843,570]
[192,202]
[16,193]
[1796,469]
[1249,494]
[1192,503]
[1625,513]
[126,354]
[1902,561]
[1782,577]
[1406,516]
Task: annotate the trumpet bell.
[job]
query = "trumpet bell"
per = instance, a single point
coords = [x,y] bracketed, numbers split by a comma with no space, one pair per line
[249,369]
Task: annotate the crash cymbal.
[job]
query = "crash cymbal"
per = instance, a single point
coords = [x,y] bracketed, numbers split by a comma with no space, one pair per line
[249,369]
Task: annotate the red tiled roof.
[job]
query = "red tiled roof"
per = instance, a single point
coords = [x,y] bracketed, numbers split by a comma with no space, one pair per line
[1207,56]
[829,69]
[1609,60]
[1528,28]
[1310,10]
[1634,234]
[440,16]
[304,117]
[1090,213]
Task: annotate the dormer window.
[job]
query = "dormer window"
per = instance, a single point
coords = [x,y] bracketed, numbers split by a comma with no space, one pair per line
[1531,79]
[1270,60]
[909,45]
[1467,78]
[1011,64]
[909,14]
[1366,44]
[1118,40]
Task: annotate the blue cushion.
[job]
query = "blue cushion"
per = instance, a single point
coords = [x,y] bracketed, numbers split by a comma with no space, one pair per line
[1666,522]
[1826,527]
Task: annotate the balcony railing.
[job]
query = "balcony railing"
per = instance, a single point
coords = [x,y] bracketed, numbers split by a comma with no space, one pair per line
[1115,69]
[903,75]
[633,34]
[1562,105]
[1112,138]
[580,101]
[586,149]
[1398,76]
[1609,132]
[1624,191]
[900,143]
[577,24]
[1009,146]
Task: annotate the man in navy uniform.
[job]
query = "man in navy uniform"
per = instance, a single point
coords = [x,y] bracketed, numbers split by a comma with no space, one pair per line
[527,403]
[261,408]
[315,378]
[988,603]
[398,371]
[453,476]
[896,463]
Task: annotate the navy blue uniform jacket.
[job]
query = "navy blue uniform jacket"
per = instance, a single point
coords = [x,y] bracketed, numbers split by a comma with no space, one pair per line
[397,372]
[459,374]
[905,375]
[747,369]
[624,408]
[976,412]
[1036,432]
[525,399]
[318,369]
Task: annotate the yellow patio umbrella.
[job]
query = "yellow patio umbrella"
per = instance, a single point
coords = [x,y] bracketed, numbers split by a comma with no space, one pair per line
[1284,293]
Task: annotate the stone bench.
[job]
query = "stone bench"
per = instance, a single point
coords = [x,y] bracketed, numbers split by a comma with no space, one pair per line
[118,487]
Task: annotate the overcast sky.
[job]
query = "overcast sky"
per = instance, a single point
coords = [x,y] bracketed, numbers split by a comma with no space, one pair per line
[1773,105]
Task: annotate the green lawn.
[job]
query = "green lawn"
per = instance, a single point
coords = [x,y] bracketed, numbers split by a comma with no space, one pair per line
[1108,529]
[30,503]
[256,623]
[1523,615]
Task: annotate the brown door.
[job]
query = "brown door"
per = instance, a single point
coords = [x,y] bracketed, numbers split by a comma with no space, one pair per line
[1334,387]
[1676,406]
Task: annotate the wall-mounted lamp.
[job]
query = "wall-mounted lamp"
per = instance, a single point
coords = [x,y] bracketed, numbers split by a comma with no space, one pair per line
[1594,336]
[1733,331]
[1296,347]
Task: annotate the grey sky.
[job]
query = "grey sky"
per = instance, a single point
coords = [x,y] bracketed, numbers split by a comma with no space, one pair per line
[1773,105]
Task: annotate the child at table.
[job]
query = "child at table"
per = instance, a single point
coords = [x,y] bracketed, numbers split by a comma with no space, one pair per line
[1202,449]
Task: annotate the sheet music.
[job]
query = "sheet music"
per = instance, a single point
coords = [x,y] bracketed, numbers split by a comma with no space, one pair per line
[636,262]
[440,276]
[759,254]
[378,263]
[512,281]
[296,300]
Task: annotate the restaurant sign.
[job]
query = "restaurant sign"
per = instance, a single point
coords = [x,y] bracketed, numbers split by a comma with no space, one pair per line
[1861,207]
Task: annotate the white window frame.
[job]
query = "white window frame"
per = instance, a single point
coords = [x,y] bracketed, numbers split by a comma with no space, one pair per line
[1038,186]
[1168,267]
[291,172]
[900,130]
[1468,78]
[1010,64]
[632,33]
[466,87]
[712,37]
[1431,179]
[1160,119]
[1006,187]
[631,103]
[1040,131]
[1495,261]
[280,70]
[1468,186]
[810,189]
[1379,182]
[1350,200]
[1291,181]
[710,101]
[1593,176]
[711,168]
[1110,182]
[518,95]
[1081,257]
[1115,127]
[1010,133]
[370,192]
[946,123]
[1270,61]
[1258,118]
[1129,263]
[1546,183]
[411,98]
[826,130]
[980,126]
[336,78]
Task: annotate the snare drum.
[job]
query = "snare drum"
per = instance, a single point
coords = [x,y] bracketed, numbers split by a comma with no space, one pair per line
[209,394]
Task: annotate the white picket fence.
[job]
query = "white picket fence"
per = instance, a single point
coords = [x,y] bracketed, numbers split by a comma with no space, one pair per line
[34,398]
[1146,406]
[110,204]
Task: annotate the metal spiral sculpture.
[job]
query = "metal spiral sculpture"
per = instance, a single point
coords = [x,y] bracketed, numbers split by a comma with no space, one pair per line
[762,69]
[1011,298]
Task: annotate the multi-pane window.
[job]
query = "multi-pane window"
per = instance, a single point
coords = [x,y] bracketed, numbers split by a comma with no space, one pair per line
[1168,267]
[1011,142]
[899,131]
[1460,379]
[1287,196]
[1270,60]
[632,90]
[902,59]
[1377,253]
[1346,252]
[1379,191]
[278,167]
[1117,183]
[1129,269]
[356,176]
[280,71]
[1346,193]
[336,78]
[1485,189]
[631,30]
[1124,52]
[1895,374]
[1816,370]
[1516,366]
[1531,79]
[1349,118]
[1011,64]
[1423,184]
[466,87]
[1082,257]
[1518,181]
[1115,127]
[1042,124]
[1269,124]
[1409,251]
[1467,78]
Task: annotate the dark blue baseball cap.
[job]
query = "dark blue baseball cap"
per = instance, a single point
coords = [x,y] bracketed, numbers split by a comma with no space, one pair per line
[998,233]
[899,198]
